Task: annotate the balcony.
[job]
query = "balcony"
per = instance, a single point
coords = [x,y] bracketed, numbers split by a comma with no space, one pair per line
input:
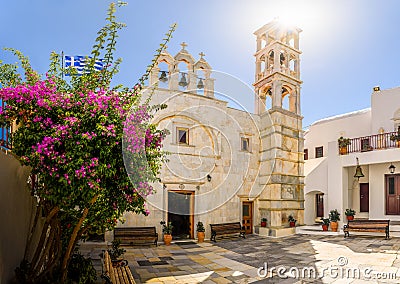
[371,143]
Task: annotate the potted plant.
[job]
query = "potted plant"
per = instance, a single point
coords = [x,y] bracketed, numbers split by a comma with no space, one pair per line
[200,232]
[350,213]
[343,143]
[325,223]
[396,137]
[167,231]
[292,221]
[263,222]
[334,217]
[115,252]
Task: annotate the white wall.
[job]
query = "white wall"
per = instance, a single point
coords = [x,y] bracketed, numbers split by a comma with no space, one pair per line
[16,206]
[330,129]
[384,104]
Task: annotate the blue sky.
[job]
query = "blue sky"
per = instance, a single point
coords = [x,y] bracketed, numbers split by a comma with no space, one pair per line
[348,46]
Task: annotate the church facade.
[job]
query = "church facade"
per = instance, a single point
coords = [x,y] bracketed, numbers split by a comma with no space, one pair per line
[226,164]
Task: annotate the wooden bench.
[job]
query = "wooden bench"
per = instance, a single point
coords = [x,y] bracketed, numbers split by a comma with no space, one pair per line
[381,226]
[131,235]
[226,229]
[116,275]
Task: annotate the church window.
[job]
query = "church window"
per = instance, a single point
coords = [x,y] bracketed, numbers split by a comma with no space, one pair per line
[183,135]
[245,144]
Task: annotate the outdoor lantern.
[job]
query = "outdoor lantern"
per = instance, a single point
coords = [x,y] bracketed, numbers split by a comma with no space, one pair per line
[359,172]
[183,82]
[163,77]
[200,85]
[392,168]
[209,178]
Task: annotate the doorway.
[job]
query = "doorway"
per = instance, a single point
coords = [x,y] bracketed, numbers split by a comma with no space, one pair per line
[392,189]
[364,197]
[247,220]
[180,213]
[319,204]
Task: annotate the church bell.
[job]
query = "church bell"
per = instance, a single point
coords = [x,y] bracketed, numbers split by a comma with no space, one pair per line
[163,77]
[359,172]
[183,82]
[200,84]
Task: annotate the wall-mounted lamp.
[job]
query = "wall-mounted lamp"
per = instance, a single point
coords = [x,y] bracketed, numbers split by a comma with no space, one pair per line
[208,178]
[164,186]
[392,169]
[359,172]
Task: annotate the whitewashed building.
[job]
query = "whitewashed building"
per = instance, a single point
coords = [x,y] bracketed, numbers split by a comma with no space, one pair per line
[330,182]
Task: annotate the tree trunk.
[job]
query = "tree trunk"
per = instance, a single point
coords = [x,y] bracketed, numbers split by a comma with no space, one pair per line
[73,240]
[41,248]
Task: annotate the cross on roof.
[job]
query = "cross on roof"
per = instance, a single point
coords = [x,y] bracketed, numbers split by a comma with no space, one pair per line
[183,44]
[201,55]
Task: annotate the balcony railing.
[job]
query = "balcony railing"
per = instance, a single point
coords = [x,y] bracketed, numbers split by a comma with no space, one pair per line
[370,143]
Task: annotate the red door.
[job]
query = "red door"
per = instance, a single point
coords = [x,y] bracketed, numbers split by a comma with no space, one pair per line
[392,189]
[319,198]
[247,221]
[364,197]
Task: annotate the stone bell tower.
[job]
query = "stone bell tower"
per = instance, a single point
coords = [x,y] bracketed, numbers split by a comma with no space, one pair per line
[277,90]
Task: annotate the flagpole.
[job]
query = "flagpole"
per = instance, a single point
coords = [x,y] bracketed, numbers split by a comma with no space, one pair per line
[62,65]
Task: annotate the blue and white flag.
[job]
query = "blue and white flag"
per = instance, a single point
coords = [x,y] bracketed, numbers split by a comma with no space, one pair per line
[79,62]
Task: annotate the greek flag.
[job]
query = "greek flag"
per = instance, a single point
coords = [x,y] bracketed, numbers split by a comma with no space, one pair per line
[79,62]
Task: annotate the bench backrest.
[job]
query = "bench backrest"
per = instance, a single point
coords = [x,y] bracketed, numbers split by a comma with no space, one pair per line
[367,223]
[135,231]
[235,226]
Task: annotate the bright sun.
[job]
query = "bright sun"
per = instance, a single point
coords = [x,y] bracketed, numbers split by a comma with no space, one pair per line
[302,14]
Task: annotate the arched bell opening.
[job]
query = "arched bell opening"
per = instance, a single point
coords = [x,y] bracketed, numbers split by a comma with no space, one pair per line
[163,75]
[183,75]
[285,98]
[200,81]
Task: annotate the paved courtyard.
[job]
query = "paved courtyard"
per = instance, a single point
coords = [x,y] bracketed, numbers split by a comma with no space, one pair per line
[293,259]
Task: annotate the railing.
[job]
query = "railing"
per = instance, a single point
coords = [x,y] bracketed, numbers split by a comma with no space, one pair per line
[370,143]
[5,138]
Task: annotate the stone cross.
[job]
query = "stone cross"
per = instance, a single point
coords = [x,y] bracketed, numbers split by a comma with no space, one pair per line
[201,55]
[183,44]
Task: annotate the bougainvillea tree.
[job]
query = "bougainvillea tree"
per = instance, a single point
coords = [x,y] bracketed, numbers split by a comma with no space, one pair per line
[77,135]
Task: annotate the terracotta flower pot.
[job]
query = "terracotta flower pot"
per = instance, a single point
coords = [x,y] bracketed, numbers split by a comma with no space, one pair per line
[200,236]
[263,224]
[167,239]
[343,150]
[350,217]
[334,226]
[292,224]
[325,227]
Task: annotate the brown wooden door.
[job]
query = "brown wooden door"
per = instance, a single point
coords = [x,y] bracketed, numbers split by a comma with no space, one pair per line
[319,199]
[364,197]
[247,221]
[392,189]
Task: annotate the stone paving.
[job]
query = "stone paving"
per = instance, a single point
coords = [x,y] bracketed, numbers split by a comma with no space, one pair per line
[314,258]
